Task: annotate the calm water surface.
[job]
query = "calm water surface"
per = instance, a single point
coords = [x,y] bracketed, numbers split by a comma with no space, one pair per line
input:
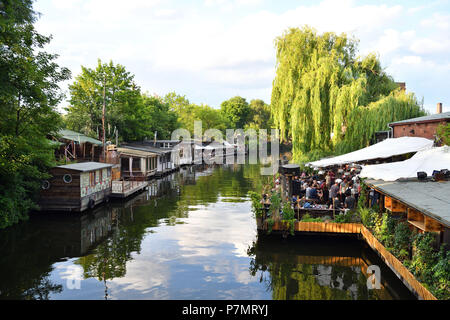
[190,236]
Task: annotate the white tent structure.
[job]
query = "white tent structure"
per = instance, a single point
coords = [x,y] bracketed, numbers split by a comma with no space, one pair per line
[382,150]
[425,161]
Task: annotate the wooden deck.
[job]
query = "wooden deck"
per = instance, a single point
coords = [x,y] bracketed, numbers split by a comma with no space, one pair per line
[124,189]
[357,228]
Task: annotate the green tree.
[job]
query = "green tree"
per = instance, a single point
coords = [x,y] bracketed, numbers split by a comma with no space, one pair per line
[188,112]
[443,132]
[260,116]
[237,111]
[157,116]
[326,98]
[110,84]
[29,94]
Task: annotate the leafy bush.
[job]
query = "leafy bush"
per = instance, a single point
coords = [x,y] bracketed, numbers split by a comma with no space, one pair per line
[387,230]
[275,205]
[308,218]
[402,240]
[257,206]
[424,256]
[441,274]
[368,217]
[288,212]
[270,223]
[344,217]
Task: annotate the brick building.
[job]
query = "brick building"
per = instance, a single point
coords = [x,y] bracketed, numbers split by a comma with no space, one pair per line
[424,127]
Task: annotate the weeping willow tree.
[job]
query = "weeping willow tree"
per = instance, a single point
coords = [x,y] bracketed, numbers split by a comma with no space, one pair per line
[327,100]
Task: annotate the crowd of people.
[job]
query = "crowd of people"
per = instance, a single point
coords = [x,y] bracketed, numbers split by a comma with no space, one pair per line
[333,189]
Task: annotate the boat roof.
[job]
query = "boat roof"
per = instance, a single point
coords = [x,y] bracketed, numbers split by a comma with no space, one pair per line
[430,198]
[137,153]
[146,147]
[431,118]
[85,166]
[78,137]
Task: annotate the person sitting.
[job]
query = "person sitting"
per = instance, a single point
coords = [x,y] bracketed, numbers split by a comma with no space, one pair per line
[336,204]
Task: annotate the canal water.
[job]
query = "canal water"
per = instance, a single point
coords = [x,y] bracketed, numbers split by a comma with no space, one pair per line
[190,236]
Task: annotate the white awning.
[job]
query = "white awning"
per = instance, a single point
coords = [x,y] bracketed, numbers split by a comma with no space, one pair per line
[425,161]
[382,150]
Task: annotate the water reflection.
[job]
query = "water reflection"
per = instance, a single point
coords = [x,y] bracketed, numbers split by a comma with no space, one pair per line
[191,235]
[320,268]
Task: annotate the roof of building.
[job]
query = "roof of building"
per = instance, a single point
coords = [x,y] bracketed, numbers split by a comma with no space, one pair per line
[382,150]
[430,118]
[136,153]
[146,147]
[85,166]
[427,161]
[430,198]
[78,137]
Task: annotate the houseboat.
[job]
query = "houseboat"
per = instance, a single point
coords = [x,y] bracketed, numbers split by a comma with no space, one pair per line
[164,161]
[137,164]
[76,187]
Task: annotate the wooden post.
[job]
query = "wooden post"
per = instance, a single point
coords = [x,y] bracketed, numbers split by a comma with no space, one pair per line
[130,163]
[103,116]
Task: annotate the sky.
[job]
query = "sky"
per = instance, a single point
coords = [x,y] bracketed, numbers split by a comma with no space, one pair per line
[212,50]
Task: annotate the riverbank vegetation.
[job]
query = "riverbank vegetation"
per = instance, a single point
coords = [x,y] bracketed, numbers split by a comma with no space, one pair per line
[29,94]
[327,100]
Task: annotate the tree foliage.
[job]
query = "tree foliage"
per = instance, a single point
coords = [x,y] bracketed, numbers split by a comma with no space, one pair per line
[29,93]
[443,132]
[237,111]
[326,98]
[110,84]
[260,116]
[188,112]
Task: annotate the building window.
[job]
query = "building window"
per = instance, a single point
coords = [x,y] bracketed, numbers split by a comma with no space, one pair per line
[67,178]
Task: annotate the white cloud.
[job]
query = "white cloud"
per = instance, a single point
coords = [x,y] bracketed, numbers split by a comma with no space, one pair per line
[188,49]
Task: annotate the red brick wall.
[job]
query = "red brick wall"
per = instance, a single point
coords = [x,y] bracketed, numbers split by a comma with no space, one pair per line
[424,130]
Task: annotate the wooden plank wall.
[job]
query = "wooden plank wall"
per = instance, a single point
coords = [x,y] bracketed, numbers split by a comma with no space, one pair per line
[402,272]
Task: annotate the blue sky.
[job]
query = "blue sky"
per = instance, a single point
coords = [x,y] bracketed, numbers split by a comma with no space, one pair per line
[211,50]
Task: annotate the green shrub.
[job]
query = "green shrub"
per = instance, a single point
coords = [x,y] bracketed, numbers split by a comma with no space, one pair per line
[257,206]
[441,274]
[308,218]
[387,230]
[424,257]
[368,217]
[402,240]
[288,212]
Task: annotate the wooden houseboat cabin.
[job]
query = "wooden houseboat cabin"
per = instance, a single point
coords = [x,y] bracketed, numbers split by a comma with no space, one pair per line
[164,162]
[76,187]
[137,164]
[75,146]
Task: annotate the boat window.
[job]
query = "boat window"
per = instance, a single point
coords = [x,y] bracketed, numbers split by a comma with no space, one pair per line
[67,178]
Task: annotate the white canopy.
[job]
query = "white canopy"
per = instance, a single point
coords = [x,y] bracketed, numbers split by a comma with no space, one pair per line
[382,150]
[426,161]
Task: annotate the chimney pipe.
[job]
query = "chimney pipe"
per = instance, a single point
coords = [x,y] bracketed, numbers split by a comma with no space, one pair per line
[439,108]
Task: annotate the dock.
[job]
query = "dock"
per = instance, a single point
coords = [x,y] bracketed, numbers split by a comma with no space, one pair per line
[364,234]
[124,189]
